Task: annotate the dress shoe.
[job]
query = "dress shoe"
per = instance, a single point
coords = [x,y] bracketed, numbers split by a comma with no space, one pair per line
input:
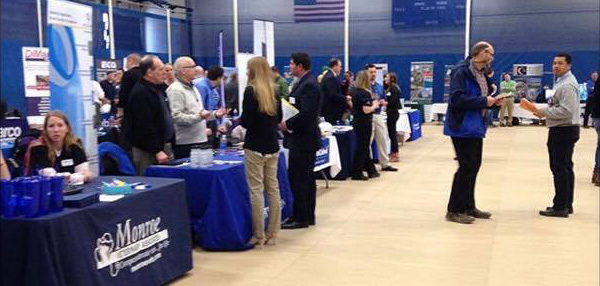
[374,175]
[389,169]
[479,214]
[294,225]
[570,209]
[459,218]
[360,178]
[555,213]
[311,223]
[596,178]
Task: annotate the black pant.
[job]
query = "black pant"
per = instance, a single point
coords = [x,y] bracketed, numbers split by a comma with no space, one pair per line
[391,126]
[183,151]
[362,159]
[303,184]
[589,105]
[469,152]
[561,142]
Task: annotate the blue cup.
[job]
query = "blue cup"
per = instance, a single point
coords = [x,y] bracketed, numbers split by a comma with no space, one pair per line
[45,192]
[9,205]
[57,185]
[19,190]
[31,198]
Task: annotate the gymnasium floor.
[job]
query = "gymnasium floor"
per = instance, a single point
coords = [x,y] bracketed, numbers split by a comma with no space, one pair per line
[392,231]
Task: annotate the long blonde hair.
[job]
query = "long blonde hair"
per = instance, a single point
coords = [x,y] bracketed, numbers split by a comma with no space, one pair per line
[259,77]
[363,81]
[69,140]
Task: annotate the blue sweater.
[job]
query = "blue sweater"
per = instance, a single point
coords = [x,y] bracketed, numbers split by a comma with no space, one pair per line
[464,118]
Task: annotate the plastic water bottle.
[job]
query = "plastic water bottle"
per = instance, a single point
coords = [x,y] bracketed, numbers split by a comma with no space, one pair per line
[223,144]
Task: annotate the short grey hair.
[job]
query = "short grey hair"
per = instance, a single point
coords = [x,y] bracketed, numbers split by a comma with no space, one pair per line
[179,64]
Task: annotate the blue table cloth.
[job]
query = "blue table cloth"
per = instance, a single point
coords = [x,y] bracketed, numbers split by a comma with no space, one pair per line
[219,201]
[347,146]
[141,239]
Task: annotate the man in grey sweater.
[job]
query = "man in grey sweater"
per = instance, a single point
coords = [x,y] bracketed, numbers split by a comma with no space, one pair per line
[562,118]
[189,115]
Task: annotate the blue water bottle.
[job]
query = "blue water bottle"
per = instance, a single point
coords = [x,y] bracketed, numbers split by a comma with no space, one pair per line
[31,197]
[45,192]
[56,193]
[223,144]
[9,201]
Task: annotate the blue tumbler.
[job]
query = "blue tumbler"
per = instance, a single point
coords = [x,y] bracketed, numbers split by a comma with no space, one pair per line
[45,192]
[9,201]
[19,189]
[56,193]
[31,198]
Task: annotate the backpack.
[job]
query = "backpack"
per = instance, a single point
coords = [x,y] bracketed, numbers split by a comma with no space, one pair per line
[22,145]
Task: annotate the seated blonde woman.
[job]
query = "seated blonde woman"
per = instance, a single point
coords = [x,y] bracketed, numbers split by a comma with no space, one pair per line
[58,151]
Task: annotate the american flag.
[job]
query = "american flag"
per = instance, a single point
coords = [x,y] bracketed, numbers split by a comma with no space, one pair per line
[318,10]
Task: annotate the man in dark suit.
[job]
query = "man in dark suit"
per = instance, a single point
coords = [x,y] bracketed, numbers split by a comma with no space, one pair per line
[302,138]
[334,102]
[152,127]
[132,76]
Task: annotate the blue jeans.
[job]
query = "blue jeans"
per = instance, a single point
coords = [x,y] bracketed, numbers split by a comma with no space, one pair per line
[596,122]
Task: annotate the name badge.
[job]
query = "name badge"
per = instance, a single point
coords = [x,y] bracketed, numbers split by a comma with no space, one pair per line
[292,100]
[66,163]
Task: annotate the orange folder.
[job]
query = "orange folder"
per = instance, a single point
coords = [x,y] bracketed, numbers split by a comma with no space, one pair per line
[527,105]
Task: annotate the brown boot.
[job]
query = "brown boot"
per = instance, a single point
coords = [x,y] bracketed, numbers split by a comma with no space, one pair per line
[596,178]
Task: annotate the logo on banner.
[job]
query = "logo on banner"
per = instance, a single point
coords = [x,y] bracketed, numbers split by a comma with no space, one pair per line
[133,247]
[10,132]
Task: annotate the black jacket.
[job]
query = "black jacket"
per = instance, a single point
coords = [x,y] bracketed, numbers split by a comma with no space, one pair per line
[151,122]
[393,100]
[334,101]
[596,100]
[261,134]
[305,135]
[130,78]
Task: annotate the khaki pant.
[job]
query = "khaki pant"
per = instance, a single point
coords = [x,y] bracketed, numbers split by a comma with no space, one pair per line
[143,159]
[261,175]
[380,134]
[507,105]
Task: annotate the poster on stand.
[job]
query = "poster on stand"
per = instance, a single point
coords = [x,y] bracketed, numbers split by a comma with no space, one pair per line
[264,40]
[70,46]
[421,82]
[381,70]
[36,79]
[529,80]
[104,67]
[447,72]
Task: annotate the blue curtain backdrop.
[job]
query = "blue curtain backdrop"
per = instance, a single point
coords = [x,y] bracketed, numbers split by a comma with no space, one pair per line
[529,31]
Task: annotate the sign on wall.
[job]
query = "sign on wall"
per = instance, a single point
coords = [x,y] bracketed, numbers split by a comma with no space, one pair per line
[421,81]
[428,13]
[37,83]
[103,67]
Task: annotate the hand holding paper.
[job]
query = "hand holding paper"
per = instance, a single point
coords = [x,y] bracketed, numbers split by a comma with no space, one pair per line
[288,110]
[527,105]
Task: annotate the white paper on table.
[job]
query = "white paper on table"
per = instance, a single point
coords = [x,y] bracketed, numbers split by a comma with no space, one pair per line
[110,198]
[288,110]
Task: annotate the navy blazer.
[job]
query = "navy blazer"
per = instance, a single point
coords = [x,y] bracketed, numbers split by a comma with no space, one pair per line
[334,102]
[306,97]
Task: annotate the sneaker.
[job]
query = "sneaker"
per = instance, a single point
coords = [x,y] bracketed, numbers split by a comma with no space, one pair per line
[459,218]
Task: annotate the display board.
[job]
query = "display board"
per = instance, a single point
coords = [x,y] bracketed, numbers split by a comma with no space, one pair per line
[242,66]
[71,62]
[447,73]
[427,13]
[421,81]
[381,70]
[264,40]
[529,80]
[36,76]
[105,66]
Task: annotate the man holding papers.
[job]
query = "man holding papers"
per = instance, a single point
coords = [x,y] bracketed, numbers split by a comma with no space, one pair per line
[302,138]
[562,118]
[469,98]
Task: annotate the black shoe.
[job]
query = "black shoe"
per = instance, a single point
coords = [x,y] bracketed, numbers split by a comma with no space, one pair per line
[479,214]
[360,178]
[374,175]
[459,218]
[389,169]
[555,213]
[294,225]
[311,223]
[570,209]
